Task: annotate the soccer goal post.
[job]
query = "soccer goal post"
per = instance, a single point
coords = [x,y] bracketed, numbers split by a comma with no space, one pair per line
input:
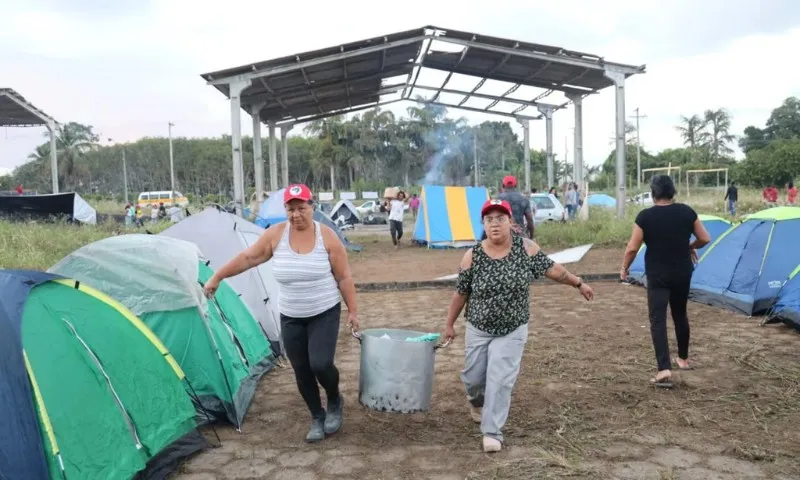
[668,169]
[705,175]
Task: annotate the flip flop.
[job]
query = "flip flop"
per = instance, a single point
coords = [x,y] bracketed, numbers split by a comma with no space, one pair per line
[663,383]
[688,367]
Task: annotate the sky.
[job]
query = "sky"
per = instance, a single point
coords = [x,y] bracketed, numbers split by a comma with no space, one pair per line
[129,67]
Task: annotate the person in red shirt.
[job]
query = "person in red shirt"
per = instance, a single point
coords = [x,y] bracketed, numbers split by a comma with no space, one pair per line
[791,193]
[19,189]
[771,195]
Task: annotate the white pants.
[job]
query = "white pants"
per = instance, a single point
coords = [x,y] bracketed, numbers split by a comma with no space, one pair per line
[491,366]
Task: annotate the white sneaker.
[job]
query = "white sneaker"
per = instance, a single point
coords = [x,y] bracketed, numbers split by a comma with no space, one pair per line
[491,445]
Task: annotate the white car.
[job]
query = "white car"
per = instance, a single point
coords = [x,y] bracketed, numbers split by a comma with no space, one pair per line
[370,206]
[548,208]
[645,198]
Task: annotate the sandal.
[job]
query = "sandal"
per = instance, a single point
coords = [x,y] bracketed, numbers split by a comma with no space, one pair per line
[665,382]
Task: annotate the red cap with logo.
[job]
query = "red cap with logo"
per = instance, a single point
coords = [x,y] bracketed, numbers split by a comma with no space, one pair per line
[509,181]
[297,192]
[495,204]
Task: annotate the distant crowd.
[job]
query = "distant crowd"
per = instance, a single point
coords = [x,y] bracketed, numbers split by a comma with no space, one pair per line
[770,196]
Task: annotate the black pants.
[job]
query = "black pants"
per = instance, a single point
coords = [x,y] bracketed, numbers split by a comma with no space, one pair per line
[672,291]
[396,230]
[310,344]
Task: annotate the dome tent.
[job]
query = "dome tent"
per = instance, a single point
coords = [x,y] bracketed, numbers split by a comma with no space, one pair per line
[745,268]
[86,390]
[787,304]
[217,343]
[221,236]
[715,226]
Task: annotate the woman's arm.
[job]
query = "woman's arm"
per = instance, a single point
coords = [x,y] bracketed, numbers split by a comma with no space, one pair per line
[634,244]
[701,236]
[463,289]
[254,255]
[543,266]
[340,267]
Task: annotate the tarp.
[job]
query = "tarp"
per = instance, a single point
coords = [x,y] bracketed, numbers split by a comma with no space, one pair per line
[221,236]
[787,304]
[161,278]
[449,216]
[601,200]
[745,268]
[93,395]
[715,226]
[272,212]
[69,205]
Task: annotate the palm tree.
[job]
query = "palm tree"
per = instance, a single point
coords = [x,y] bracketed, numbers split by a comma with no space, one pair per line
[73,140]
[717,138]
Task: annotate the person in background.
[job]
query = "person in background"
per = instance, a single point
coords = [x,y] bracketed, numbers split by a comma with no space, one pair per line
[413,205]
[770,195]
[553,191]
[732,196]
[571,200]
[494,280]
[520,206]
[310,265]
[396,210]
[791,194]
[154,214]
[666,228]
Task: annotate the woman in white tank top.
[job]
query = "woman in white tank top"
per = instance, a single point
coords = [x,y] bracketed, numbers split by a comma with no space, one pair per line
[310,264]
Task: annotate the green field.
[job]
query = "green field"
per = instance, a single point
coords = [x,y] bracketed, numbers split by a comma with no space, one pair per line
[40,245]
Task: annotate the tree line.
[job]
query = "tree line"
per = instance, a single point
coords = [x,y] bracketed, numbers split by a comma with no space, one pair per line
[375,149]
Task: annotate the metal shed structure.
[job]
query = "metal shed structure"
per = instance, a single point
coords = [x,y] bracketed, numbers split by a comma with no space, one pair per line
[352,77]
[15,111]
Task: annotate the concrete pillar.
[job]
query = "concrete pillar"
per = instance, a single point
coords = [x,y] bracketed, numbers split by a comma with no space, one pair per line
[273,159]
[619,83]
[285,153]
[51,127]
[258,159]
[579,172]
[526,153]
[547,111]
[236,89]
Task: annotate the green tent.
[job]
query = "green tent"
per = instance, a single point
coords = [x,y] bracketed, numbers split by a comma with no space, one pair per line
[217,342]
[86,389]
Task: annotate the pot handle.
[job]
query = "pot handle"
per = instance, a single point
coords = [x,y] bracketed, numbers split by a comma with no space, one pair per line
[356,335]
[442,345]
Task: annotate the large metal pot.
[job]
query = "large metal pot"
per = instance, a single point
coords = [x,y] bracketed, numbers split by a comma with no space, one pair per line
[396,375]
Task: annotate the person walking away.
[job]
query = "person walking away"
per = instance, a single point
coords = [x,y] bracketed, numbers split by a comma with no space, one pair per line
[494,280]
[310,265]
[154,214]
[571,201]
[732,196]
[413,205]
[770,195]
[396,210]
[666,228]
[791,194]
[520,206]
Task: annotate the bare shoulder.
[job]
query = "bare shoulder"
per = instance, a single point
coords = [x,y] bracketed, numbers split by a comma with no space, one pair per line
[466,260]
[274,233]
[330,237]
[531,248]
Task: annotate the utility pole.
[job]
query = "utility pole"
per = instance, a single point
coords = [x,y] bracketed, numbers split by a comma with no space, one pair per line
[171,164]
[125,174]
[566,154]
[638,150]
[475,153]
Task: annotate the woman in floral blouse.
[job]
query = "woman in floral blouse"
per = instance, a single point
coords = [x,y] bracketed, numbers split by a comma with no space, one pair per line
[494,283]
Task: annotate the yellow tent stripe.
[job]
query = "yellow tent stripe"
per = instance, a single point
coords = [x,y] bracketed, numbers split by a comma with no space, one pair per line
[458,213]
[48,427]
[136,321]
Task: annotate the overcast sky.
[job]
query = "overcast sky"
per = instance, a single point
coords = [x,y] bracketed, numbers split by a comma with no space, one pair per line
[127,67]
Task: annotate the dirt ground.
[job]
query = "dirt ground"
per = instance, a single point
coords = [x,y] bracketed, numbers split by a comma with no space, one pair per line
[380,262]
[582,407]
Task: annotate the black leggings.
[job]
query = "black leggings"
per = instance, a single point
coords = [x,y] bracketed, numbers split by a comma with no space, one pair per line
[396,230]
[675,293]
[310,344]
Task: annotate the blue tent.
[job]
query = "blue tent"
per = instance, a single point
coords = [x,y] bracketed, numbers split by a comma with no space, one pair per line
[746,267]
[716,226]
[449,216]
[601,200]
[273,212]
[787,305]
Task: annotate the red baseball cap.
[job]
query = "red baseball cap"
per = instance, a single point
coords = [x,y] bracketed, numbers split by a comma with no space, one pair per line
[297,192]
[495,204]
[509,181]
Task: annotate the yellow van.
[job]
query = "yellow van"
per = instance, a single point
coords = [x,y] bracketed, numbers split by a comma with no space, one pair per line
[152,199]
